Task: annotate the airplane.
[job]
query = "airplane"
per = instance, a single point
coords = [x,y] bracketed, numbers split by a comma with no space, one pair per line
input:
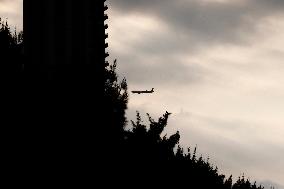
[139,92]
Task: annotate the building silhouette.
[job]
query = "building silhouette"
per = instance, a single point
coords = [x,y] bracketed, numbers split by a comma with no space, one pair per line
[65,38]
[65,59]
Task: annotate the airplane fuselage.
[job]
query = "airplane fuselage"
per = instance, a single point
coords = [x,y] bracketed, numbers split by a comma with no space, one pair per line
[143,92]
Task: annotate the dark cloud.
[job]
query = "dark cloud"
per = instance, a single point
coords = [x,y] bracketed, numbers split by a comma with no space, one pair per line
[206,23]
[193,26]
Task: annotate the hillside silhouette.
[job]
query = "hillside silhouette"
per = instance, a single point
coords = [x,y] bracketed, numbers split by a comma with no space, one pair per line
[64,126]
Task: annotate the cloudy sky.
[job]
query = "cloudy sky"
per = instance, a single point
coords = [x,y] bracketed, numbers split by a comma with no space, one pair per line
[13,11]
[217,65]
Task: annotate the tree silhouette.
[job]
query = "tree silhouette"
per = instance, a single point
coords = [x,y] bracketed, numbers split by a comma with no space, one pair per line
[116,98]
[145,146]
[11,48]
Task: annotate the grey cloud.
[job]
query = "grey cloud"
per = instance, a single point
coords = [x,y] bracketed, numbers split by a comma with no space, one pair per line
[160,72]
[193,27]
[207,23]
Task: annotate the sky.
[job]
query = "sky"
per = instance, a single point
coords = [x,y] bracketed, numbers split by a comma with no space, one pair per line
[12,10]
[216,65]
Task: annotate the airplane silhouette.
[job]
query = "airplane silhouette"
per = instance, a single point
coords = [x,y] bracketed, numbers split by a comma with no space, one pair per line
[139,92]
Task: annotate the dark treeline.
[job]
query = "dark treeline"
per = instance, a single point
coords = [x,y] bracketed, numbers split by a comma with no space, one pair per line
[140,155]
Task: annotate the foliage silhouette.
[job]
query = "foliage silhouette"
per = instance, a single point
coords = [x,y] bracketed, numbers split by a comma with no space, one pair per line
[116,97]
[146,145]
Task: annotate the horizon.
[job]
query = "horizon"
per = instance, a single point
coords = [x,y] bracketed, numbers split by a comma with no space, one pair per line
[216,65]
